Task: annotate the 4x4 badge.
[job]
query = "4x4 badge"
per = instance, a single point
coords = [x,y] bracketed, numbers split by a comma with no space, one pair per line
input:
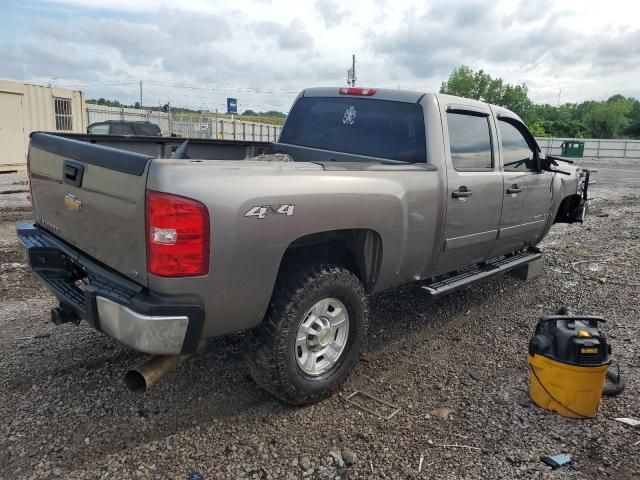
[261,211]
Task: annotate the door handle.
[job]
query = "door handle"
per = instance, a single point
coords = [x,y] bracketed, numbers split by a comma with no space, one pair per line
[72,173]
[462,192]
[514,189]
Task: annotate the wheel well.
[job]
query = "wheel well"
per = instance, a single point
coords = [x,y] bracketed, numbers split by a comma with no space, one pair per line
[359,250]
[566,209]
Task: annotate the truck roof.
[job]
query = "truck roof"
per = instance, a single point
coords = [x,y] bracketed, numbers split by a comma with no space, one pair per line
[393,95]
[136,122]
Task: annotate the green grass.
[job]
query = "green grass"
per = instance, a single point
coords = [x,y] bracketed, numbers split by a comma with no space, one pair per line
[259,119]
[245,118]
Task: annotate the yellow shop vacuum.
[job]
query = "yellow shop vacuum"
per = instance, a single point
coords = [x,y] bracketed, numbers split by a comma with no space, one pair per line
[568,359]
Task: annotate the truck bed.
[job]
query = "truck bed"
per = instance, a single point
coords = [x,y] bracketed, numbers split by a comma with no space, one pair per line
[89,190]
[163,147]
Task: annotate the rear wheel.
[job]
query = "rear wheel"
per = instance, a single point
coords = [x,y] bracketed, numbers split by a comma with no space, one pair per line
[311,335]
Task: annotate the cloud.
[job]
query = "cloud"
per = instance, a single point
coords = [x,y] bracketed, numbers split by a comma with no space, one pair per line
[331,12]
[48,60]
[529,41]
[288,37]
[263,51]
[130,40]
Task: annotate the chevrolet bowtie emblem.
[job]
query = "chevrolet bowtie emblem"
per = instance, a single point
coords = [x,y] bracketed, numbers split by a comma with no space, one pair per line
[72,203]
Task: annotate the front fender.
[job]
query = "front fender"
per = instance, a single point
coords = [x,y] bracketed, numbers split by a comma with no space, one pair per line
[569,203]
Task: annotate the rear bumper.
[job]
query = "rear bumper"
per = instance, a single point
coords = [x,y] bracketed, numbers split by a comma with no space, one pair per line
[141,319]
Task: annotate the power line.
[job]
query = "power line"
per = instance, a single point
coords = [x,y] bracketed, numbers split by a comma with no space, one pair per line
[154,88]
[191,86]
[223,88]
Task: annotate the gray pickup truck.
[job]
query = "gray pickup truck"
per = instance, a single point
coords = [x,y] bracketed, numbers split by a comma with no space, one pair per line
[163,245]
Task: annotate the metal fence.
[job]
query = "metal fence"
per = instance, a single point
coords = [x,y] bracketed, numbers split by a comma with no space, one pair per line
[204,125]
[594,148]
[208,125]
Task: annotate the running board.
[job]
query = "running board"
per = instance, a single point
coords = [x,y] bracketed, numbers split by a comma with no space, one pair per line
[480,272]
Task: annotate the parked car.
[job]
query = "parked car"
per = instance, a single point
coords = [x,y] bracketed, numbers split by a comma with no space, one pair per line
[162,245]
[124,127]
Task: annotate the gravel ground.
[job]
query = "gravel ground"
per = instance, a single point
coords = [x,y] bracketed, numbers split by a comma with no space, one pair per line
[456,367]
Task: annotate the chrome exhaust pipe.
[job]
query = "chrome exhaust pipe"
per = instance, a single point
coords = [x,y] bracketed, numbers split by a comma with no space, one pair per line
[145,376]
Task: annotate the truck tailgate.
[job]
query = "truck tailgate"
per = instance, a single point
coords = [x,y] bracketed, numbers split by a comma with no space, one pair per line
[92,197]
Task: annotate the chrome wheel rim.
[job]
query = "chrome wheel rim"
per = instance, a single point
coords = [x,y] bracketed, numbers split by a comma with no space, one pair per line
[322,336]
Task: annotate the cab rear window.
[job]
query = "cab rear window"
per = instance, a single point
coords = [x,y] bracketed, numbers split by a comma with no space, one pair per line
[149,129]
[358,126]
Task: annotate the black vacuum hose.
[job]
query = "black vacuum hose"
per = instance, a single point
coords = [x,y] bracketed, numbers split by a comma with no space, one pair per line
[616,383]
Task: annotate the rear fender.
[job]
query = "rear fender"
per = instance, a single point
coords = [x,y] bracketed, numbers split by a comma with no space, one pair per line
[359,250]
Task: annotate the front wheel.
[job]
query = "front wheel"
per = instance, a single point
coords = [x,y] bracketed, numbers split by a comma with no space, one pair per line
[311,335]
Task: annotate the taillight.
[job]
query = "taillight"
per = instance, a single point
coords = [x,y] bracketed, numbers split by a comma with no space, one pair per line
[29,179]
[362,92]
[177,236]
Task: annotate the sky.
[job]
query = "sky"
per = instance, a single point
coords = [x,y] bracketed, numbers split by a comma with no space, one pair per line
[196,53]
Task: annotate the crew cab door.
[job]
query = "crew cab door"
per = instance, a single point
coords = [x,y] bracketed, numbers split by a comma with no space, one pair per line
[526,196]
[474,187]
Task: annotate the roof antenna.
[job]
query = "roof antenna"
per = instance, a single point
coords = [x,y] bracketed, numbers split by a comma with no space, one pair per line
[351,72]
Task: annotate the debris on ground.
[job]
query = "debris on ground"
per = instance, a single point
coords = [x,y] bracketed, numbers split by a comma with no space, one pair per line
[442,412]
[372,404]
[337,458]
[349,456]
[457,446]
[557,461]
[194,475]
[632,422]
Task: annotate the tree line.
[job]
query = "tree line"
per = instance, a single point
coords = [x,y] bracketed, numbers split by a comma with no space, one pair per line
[616,117]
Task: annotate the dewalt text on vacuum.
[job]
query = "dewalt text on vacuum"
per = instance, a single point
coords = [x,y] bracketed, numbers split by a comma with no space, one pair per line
[569,361]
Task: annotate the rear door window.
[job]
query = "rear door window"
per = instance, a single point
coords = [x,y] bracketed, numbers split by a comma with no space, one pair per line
[358,126]
[470,142]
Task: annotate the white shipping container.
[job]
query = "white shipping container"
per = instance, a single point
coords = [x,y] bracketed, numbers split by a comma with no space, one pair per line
[26,108]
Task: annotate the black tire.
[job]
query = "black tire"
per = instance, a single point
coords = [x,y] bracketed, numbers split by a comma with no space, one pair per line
[271,358]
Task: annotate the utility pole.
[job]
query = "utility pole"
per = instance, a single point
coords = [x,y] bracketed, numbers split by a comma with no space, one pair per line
[140,93]
[559,93]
